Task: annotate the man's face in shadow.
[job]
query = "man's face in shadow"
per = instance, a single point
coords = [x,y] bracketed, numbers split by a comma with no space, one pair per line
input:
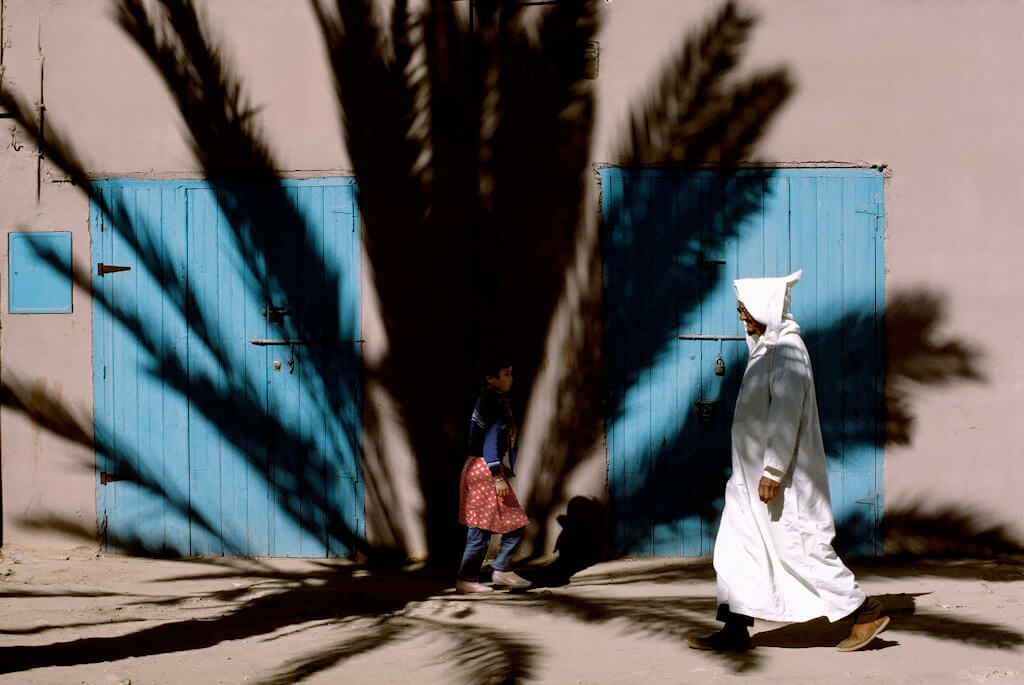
[754,327]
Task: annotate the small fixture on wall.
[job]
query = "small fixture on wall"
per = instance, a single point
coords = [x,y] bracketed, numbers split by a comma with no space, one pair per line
[592,58]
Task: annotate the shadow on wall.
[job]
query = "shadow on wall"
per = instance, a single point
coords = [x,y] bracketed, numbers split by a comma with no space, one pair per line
[698,111]
[917,358]
[482,128]
[475,207]
[454,116]
[253,205]
[921,358]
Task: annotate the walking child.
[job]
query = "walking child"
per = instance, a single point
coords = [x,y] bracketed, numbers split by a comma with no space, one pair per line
[487,503]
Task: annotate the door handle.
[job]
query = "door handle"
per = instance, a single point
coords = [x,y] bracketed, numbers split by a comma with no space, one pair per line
[301,341]
[711,337]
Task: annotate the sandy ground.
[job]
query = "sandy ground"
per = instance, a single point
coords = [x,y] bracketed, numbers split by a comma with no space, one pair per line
[84,617]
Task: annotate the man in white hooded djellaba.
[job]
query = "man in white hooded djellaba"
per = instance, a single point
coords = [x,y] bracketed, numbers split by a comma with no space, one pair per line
[773,554]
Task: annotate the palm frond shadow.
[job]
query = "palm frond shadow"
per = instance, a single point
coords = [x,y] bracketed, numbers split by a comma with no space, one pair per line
[283,600]
[698,112]
[229,149]
[670,618]
[923,358]
[296,670]
[482,127]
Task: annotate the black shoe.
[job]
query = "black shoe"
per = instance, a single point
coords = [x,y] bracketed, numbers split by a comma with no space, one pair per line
[722,641]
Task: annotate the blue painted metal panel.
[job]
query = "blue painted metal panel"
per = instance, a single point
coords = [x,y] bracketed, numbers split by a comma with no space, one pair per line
[673,242]
[217,451]
[39,272]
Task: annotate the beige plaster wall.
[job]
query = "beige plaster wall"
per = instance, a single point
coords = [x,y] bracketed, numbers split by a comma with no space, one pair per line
[929,89]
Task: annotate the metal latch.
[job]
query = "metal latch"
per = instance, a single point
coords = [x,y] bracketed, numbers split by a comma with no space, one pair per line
[104,269]
[704,409]
[275,314]
[711,337]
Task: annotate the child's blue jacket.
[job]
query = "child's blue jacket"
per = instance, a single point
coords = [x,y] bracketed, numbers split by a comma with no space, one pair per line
[489,431]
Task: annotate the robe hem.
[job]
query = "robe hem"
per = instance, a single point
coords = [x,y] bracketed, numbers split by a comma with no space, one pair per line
[793,618]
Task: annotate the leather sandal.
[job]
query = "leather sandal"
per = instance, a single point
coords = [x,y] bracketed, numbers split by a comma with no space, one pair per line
[862,634]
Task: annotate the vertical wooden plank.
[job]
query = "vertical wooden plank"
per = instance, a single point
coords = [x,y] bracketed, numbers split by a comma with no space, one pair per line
[205,225]
[751,240]
[617,232]
[663,311]
[804,233]
[612,365]
[256,362]
[640,467]
[315,416]
[776,226]
[126,383]
[174,353]
[342,473]
[149,296]
[349,233]
[234,300]
[857,327]
[860,366]
[829,350]
[621,231]
[878,235]
[101,325]
[685,214]
[283,452]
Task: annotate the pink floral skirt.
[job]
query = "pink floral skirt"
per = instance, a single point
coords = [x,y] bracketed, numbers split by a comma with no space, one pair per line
[479,504]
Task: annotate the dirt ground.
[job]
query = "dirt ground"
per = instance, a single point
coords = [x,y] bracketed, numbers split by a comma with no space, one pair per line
[85,617]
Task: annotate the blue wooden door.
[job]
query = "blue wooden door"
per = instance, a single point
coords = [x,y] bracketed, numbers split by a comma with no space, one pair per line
[239,315]
[673,243]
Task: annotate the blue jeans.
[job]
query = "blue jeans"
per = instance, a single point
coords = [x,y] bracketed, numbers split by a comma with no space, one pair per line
[477,541]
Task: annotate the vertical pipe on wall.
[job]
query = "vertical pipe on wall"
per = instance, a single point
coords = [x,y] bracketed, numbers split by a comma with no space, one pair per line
[40,134]
[476,344]
[3,39]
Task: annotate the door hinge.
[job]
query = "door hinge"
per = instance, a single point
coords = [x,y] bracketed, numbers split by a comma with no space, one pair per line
[104,269]
[109,478]
[871,499]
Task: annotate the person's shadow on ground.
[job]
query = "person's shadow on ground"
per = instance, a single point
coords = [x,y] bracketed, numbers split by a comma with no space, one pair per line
[906,618]
[581,544]
[821,633]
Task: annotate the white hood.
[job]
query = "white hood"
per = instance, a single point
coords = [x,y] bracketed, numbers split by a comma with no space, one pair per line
[767,300]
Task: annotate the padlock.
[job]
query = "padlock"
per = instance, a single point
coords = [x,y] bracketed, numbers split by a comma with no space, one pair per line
[719,366]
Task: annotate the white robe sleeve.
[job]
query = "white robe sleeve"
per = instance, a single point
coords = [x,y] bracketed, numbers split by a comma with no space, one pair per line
[788,388]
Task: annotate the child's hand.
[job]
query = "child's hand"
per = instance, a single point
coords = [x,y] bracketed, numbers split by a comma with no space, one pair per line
[502,487]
